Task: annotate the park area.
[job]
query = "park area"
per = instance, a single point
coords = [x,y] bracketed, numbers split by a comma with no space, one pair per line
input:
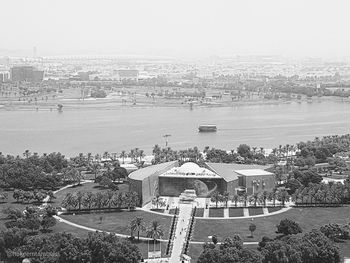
[307,218]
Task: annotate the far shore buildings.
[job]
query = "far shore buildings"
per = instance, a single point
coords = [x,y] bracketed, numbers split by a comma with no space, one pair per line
[127,75]
[170,179]
[26,73]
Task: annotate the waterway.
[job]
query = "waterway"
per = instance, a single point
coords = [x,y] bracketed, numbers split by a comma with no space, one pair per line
[122,128]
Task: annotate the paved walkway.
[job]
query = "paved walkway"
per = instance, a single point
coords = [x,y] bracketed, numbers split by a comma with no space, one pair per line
[245,212]
[226,212]
[181,230]
[265,211]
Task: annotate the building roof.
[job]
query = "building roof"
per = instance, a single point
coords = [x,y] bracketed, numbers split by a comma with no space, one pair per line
[252,172]
[143,173]
[231,171]
[190,170]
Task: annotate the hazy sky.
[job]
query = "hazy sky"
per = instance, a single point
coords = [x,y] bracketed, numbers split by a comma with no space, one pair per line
[178,27]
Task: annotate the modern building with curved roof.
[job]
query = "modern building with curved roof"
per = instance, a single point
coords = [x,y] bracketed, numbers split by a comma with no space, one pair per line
[170,179]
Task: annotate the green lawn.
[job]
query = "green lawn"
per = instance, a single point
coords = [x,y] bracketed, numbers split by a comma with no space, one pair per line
[118,221]
[216,212]
[253,211]
[308,218]
[273,209]
[199,212]
[235,212]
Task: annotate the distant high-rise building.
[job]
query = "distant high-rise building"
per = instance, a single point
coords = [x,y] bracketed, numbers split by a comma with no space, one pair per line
[26,73]
[4,77]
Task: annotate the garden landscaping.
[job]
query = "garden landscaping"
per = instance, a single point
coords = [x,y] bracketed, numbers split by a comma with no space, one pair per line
[307,218]
[235,212]
[216,212]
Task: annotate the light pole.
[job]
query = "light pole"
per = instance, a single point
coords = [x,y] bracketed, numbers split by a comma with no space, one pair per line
[166,139]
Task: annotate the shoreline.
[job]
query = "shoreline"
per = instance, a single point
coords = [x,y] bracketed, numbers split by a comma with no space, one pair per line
[111,104]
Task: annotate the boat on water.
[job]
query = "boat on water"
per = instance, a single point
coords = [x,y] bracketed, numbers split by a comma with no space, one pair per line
[207,128]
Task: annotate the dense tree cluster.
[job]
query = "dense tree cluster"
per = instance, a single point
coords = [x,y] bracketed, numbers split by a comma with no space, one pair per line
[31,218]
[37,196]
[229,251]
[16,244]
[32,171]
[291,247]
[310,247]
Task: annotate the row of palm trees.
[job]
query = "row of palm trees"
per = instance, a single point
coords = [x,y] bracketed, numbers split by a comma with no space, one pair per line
[154,230]
[336,193]
[260,198]
[136,155]
[100,200]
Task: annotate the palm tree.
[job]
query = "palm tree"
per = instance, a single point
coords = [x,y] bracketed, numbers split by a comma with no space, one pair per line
[89,158]
[235,199]
[141,155]
[216,197]
[106,155]
[255,198]
[225,197]
[264,196]
[80,198]
[154,231]
[97,157]
[132,155]
[109,197]
[273,197]
[27,154]
[137,224]
[95,167]
[157,201]
[118,200]
[88,199]
[123,155]
[156,150]
[283,196]
[244,198]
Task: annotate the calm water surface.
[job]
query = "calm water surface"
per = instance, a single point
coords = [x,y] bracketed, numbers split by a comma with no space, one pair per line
[98,130]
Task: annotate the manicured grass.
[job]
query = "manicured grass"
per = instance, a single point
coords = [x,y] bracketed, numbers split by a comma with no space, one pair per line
[118,222]
[235,212]
[308,218]
[87,187]
[199,212]
[159,210]
[216,212]
[63,227]
[344,247]
[253,211]
[273,209]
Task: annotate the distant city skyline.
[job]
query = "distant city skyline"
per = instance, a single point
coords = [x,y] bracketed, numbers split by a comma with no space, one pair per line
[190,29]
